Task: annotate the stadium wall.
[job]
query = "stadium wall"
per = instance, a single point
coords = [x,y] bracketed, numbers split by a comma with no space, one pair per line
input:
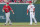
[20,11]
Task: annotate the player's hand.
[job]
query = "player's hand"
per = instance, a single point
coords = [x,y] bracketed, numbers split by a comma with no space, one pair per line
[13,12]
[27,13]
[3,10]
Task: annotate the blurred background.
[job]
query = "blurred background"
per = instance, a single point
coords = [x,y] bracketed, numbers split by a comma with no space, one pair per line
[17,1]
[20,10]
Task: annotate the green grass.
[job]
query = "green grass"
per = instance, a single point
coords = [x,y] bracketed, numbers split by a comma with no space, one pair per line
[22,24]
[38,2]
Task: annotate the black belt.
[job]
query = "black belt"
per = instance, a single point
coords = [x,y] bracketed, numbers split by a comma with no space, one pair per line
[31,11]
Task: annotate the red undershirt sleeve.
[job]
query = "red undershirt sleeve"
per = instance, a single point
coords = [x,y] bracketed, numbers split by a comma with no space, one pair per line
[27,10]
[10,8]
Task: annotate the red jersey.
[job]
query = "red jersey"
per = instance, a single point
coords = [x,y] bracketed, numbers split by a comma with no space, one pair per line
[7,8]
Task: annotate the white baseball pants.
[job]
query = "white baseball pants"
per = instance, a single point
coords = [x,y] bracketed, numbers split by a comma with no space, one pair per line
[7,18]
[32,16]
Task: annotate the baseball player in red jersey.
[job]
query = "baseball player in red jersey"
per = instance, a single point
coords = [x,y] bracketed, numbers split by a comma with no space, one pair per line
[7,9]
[31,9]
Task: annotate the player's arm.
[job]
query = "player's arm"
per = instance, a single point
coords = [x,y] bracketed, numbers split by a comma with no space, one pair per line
[27,11]
[11,10]
[3,8]
[34,10]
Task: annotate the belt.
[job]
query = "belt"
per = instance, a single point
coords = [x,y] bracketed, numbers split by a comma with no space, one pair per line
[31,11]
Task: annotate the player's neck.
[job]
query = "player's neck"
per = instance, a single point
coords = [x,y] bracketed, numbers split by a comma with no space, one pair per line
[7,5]
[30,3]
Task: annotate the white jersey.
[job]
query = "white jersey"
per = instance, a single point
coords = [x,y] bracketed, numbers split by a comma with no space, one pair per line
[31,7]
[32,14]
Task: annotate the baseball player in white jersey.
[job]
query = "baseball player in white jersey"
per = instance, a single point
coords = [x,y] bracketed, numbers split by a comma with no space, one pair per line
[31,9]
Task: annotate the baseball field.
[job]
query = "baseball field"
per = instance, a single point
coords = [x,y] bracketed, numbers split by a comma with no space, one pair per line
[20,24]
[20,18]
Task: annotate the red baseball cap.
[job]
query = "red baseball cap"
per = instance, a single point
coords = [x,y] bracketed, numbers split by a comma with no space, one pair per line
[7,3]
[30,1]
